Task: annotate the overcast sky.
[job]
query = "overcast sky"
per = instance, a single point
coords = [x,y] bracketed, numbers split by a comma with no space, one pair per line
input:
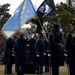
[15,3]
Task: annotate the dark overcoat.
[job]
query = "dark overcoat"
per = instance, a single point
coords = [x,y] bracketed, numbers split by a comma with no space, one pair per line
[57,51]
[39,51]
[20,52]
[8,51]
[70,47]
[33,49]
[45,45]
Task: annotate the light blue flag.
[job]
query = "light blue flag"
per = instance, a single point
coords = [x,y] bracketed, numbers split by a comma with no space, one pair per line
[13,21]
[22,15]
[28,12]
[8,33]
[12,25]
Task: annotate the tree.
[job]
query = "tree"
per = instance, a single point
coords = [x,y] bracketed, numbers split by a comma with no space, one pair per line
[64,14]
[4,16]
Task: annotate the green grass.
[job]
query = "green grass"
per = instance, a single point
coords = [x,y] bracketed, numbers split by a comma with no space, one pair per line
[2,69]
[62,70]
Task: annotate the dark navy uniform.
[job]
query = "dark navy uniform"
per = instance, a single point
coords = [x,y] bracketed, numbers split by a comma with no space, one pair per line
[30,44]
[32,49]
[8,58]
[57,53]
[28,52]
[70,47]
[46,58]
[39,54]
[20,55]
[30,56]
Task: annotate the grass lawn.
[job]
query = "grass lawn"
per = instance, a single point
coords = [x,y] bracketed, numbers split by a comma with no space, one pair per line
[63,71]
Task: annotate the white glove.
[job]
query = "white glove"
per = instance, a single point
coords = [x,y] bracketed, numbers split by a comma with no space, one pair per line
[37,55]
[61,30]
[43,32]
[49,55]
[44,53]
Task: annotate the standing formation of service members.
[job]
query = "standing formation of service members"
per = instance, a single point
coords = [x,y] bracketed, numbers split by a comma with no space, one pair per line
[40,52]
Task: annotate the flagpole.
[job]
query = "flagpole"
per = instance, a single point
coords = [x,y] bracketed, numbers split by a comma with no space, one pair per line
[43,29]
[62,32]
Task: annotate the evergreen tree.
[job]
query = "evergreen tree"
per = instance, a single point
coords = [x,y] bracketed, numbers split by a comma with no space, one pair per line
[4,16]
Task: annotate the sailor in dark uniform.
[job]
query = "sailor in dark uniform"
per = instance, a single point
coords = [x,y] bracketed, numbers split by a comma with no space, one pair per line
[30,55]
[54,45]
[20,54]
[70,48]
[8,59]
[39,53]
[46,58]
[28,51]
[33,40]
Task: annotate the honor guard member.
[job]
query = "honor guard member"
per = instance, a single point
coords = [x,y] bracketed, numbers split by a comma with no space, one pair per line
[8,59]
[39,53]
[33,39]
[28,48]
[46,58]
[30,55]
[70,48]
[54,46]
[20,54]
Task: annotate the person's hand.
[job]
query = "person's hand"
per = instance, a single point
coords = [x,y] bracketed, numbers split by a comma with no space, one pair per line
[61,30]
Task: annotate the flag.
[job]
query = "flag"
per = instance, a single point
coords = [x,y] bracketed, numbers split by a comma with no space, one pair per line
[28,12]
[12,25]
[24,13]
[45,8]
[13,21]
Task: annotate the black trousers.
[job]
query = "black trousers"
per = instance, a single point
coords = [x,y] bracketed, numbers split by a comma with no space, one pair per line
[39,69]
[20,70]
[71,69]
[47,64]
[8,68]
[54,70]
[46,68]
